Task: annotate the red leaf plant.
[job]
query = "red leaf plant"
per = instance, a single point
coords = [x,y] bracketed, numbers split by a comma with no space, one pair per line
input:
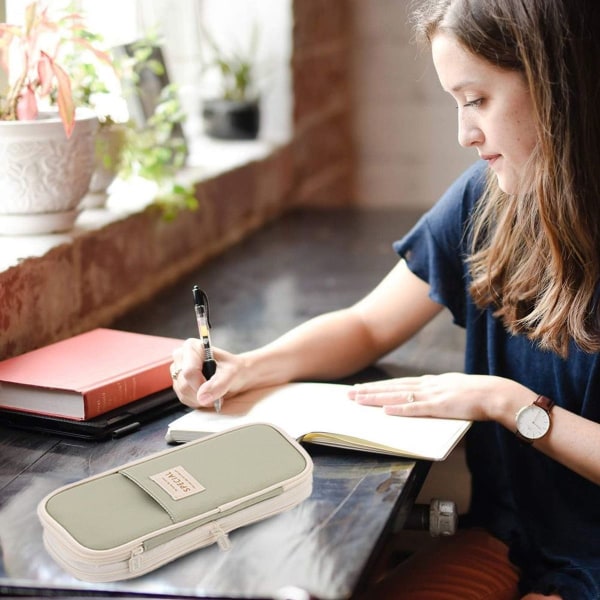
[29,54]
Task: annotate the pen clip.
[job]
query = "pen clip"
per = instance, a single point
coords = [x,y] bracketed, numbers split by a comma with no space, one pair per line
[201,303]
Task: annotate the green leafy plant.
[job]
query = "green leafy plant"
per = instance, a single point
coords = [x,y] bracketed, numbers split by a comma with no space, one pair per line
[155,153]
[87,83]
[235,67]
[31,56]
[154,150]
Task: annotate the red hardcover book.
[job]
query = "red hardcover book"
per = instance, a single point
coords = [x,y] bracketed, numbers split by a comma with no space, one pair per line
[87,375]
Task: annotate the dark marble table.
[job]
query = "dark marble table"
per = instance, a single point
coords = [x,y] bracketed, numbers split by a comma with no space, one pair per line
[301,265]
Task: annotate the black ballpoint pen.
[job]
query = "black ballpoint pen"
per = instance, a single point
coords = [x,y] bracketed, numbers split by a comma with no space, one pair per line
[209,366]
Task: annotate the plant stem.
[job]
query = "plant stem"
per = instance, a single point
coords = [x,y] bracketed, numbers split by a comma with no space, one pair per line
[10,114]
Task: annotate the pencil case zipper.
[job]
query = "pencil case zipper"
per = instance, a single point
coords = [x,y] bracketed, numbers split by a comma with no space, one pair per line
[146,550]
[134,559]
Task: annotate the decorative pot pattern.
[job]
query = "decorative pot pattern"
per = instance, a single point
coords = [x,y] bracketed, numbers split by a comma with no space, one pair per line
[41,171]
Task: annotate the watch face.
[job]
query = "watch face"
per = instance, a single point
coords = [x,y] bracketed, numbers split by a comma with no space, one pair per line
[533,422]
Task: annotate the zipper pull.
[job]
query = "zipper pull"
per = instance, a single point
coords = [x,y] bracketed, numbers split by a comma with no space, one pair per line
[221,536]
[135,559]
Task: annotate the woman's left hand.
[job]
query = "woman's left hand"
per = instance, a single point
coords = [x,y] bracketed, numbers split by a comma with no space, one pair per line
[450,395]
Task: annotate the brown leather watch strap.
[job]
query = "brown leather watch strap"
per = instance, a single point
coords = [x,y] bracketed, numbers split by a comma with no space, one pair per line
[544,403]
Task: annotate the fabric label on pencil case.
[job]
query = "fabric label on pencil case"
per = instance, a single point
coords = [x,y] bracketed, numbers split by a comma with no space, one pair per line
[178,483]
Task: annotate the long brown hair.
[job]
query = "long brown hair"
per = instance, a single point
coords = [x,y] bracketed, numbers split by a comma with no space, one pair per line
[536,253]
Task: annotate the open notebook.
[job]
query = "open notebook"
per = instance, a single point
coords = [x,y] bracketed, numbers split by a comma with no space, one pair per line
[322,413]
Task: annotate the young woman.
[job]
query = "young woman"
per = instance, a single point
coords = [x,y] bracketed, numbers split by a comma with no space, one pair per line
[513,251]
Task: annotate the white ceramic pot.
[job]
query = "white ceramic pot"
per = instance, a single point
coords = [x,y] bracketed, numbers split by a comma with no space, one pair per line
[43,174]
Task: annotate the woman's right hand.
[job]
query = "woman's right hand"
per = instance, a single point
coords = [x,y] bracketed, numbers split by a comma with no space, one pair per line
[190,385]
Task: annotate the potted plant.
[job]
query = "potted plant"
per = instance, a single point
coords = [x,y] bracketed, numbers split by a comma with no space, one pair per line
[99,90]
[46,144]
[156,151]
[235,113]
[140,139]
[153,147]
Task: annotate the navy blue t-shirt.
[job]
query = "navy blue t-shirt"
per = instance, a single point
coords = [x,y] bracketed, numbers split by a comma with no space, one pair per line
[547,514]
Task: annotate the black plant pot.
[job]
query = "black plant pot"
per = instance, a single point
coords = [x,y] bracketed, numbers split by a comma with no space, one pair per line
[231,119]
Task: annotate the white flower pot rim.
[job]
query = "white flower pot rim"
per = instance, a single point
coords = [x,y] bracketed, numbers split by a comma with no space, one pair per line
[50,123]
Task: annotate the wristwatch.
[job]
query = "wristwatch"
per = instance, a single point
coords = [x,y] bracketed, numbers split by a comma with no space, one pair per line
[533,421]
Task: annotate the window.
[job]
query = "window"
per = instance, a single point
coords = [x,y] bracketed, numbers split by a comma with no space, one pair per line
[178,23]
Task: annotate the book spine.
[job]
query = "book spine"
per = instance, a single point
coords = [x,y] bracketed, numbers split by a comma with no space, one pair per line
[129,388]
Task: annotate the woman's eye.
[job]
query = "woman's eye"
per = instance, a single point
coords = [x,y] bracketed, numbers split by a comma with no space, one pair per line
[473,103]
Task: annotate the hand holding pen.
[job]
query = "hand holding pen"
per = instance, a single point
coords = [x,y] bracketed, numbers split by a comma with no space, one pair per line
[209,366]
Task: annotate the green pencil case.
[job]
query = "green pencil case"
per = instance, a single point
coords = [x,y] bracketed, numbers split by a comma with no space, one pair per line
[130,520]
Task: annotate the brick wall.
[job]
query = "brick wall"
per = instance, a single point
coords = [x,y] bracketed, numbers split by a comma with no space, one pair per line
[372,125]
[404,124]
[323,145]
[104,272]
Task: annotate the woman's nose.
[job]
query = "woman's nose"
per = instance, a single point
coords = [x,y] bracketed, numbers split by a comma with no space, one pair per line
[469,133]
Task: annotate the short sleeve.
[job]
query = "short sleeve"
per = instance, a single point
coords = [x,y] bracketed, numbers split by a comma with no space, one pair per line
[435,249]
